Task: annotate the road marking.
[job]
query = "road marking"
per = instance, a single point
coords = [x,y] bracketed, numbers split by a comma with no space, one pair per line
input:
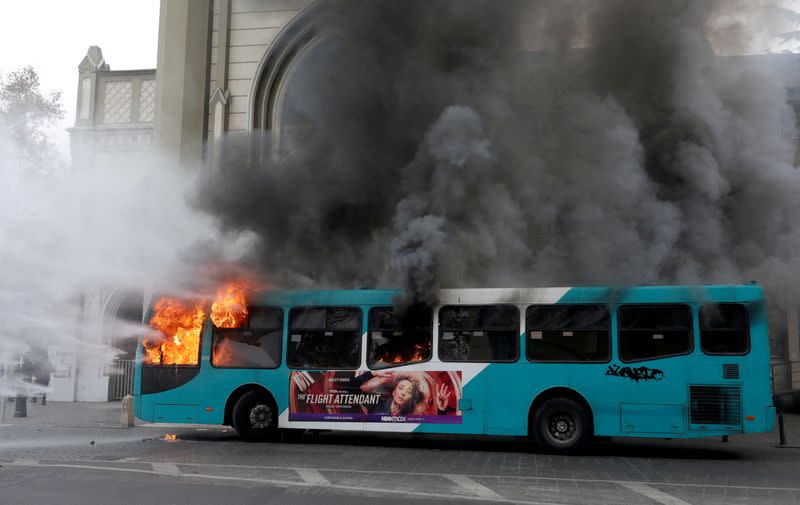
[291,483]
[26,462]
[653,493]
[474,487]
[312,477]
[166,468]
[516,477]
[92,466]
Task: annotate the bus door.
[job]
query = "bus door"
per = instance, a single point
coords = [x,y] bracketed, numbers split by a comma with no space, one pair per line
[437,395]
[324,351]
[648,376]
[460,389]
[477,342]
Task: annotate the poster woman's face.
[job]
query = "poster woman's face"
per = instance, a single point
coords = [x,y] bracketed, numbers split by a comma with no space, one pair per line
[403,392]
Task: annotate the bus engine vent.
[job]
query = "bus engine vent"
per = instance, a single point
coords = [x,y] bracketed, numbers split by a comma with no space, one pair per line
[730,371]
[715,405]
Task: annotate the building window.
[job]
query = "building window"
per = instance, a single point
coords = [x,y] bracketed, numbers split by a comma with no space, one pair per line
[724,328]
[485,333]
[571,333]
[117,102]
[324,338]
[399,339]
[654,331]
[257,344]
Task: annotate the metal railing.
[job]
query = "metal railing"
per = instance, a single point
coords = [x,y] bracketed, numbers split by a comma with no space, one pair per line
[782,375]
[120,381]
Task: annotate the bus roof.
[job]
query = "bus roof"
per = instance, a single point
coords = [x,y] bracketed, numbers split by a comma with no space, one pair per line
[631,294]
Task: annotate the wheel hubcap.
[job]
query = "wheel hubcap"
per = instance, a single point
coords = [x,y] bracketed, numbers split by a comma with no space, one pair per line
[260,416]
[562,428]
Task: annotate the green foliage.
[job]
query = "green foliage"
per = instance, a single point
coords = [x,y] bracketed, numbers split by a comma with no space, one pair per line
[24,113]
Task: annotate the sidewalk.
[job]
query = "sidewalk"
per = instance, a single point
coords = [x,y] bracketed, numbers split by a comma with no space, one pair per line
[67,414]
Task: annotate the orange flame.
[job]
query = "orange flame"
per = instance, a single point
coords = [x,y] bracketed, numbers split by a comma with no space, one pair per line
[222,355]
[171,437]
[414,354]
[229,309]
[179,323]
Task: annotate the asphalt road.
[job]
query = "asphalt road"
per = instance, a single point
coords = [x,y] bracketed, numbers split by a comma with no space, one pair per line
[54,464]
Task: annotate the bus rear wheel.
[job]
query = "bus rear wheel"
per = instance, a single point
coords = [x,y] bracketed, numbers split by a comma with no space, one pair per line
[255,417]
[561,425]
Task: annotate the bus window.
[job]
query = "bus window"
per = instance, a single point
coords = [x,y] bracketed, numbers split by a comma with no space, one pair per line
[257,344]
[399,339]
[324,338]
[180,325]
[654,331]
[485,333]
[724,328]
[574,333]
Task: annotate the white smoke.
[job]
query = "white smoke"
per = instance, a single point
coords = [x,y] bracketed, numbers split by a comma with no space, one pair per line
[69,234]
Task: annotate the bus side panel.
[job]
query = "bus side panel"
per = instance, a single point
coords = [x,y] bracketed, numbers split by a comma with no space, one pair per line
[511,390]
[202,399]
[471,405]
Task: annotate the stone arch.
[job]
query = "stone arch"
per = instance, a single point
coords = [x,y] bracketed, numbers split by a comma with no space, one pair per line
[128,306]
[275,69]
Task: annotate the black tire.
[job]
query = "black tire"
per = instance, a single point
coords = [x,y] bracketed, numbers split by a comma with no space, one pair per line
[562,425]
[255,417]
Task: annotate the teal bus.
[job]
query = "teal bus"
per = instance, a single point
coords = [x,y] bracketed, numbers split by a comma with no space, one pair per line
[559,365]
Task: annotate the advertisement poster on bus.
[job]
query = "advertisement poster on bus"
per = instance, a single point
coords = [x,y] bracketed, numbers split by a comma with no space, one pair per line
[375,396]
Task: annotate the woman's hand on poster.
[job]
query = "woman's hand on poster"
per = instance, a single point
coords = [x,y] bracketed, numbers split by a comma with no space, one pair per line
[442,397]
[303,380]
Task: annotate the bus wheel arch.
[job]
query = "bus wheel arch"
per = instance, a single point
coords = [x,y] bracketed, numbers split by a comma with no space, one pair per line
[238,393]
[552,407]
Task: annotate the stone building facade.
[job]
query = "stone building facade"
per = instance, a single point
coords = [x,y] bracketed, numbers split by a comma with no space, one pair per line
[256,50]
[226,67]
[113,130]
[115,113]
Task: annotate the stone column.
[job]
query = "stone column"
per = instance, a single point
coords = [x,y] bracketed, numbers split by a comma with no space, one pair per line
[81,138]
[220,94]
[182,79]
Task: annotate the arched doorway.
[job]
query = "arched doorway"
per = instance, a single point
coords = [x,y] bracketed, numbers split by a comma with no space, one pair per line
[283,83]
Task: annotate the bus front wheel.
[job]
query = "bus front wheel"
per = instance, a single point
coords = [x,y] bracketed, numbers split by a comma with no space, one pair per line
[561,425]
[255,417]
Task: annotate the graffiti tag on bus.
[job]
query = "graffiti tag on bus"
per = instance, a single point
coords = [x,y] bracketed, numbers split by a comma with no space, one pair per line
[635,374]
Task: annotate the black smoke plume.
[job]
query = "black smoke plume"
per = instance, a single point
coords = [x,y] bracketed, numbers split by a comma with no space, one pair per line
[475,143]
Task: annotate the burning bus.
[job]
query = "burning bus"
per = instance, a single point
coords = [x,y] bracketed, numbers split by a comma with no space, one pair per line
[557,364]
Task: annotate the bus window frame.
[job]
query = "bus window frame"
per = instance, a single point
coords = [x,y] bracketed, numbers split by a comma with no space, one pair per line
[280,348]
[610,334]
[656,305]
[360,331]
[439,331]
[206,322]
[367,361]
[747,329]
